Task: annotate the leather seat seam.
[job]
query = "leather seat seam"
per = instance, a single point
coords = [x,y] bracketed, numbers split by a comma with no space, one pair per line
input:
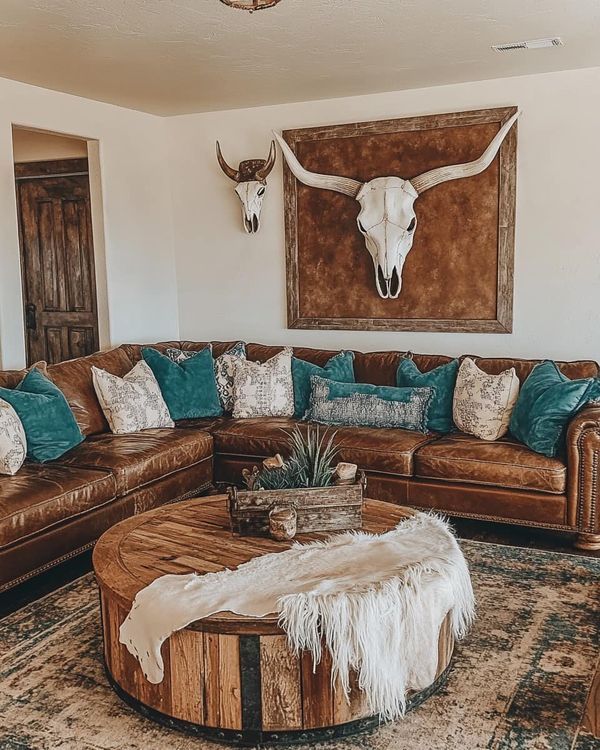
[341,446]
[80,513]
[489,484]
[456,459]
[169,474]
[54,498]
[54,524]
[368,471]
[155,479]
[503,519]
[68,555]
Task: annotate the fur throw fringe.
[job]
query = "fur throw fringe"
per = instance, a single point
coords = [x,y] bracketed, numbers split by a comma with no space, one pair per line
[375,601]
[385,632]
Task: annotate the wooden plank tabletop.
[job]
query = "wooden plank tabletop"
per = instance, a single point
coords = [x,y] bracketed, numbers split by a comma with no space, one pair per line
[195,536]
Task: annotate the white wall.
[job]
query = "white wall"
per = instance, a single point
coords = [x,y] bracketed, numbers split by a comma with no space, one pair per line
[33,145]
[166,204]
[141,288]
[233,286]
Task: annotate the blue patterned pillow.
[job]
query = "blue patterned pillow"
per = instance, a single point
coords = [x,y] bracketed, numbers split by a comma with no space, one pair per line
[339,367]
[180,355]
[363,405]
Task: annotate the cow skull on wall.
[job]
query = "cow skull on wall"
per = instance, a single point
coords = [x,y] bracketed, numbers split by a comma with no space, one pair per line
[387,217]
[251,178]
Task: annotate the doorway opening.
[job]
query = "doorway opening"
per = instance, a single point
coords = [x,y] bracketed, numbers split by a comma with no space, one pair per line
[56,237]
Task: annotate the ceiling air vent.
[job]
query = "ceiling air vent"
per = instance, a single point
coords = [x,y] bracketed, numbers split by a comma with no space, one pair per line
[551,41]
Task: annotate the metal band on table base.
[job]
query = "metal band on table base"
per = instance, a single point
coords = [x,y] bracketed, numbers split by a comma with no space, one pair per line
[252,737]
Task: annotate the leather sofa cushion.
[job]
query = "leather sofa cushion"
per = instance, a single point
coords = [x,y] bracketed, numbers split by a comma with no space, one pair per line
[263,352]
[42,495]
[377,368]
[11,378]
[134,351]
[492,503]
[380,368]
[205,423]
[74,378]
[372,449]
[582,368]
[142,457]
[503,463]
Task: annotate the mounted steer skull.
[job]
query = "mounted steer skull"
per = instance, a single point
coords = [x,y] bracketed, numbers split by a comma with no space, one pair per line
[387,217]
[251,177]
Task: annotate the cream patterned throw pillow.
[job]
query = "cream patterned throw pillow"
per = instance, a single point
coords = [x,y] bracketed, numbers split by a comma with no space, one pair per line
[264,390]
[131,403]
[483,403]
[13,443]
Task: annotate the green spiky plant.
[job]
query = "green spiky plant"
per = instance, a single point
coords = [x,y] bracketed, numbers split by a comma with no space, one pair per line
[312,457]
[310,463]
[275,479]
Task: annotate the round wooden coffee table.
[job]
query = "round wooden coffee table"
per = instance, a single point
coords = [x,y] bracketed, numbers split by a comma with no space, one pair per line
[228,677]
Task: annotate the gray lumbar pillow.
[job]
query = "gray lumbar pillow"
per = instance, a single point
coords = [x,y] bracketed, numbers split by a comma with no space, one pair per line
[363,405]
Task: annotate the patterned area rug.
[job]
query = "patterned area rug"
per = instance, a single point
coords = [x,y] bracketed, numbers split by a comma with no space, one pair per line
[519,681]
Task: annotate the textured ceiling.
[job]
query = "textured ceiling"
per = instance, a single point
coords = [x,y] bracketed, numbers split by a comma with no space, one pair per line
[176,56]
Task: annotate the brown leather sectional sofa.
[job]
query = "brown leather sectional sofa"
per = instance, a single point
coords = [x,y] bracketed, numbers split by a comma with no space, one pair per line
[51,512]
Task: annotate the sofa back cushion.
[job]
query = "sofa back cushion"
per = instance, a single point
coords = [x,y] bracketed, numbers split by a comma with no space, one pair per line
[580,368]
[11,378]
[263,352]
[134,351]
[74,378]
[379,368]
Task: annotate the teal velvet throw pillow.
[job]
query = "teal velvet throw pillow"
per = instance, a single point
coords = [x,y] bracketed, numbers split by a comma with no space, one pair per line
[442,379]
[340,367]
[547,402]
[189,387]
[364,405]
[50,426]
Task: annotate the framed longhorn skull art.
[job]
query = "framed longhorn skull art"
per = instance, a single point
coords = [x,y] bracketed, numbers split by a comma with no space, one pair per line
[404,225]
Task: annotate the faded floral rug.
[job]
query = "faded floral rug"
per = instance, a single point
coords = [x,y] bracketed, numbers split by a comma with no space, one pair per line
[520,680]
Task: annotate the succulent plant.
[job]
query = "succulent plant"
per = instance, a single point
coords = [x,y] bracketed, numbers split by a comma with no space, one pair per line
[310,463]
[275,479]
[312,457]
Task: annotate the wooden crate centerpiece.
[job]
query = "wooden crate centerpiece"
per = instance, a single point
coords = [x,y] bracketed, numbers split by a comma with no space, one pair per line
[333,508]
[324,495]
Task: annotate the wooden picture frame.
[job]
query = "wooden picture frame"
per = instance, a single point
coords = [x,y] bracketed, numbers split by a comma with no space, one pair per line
[498,320]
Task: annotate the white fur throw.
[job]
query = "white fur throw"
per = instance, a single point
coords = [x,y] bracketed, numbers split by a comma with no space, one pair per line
[376,600]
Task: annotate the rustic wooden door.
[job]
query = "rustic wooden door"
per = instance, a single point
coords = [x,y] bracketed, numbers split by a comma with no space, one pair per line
[57,259]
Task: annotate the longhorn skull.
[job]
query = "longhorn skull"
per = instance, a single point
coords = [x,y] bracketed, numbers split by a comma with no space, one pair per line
[251,177]
[387,217]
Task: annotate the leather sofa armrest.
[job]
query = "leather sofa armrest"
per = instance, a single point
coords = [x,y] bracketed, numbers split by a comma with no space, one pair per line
[583,468]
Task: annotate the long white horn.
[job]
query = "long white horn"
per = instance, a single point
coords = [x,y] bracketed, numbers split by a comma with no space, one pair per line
[456,171]
[345,185]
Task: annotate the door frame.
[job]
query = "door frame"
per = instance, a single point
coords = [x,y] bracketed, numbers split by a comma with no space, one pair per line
[31,170]
[68,167]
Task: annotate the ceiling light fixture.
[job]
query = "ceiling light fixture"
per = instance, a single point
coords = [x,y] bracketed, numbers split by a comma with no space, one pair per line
[551,41]
[250,5]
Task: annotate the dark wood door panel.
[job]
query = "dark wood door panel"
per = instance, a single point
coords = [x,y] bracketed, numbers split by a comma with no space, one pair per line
[58,265]
[82,341]
[79,276]
[66,342]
